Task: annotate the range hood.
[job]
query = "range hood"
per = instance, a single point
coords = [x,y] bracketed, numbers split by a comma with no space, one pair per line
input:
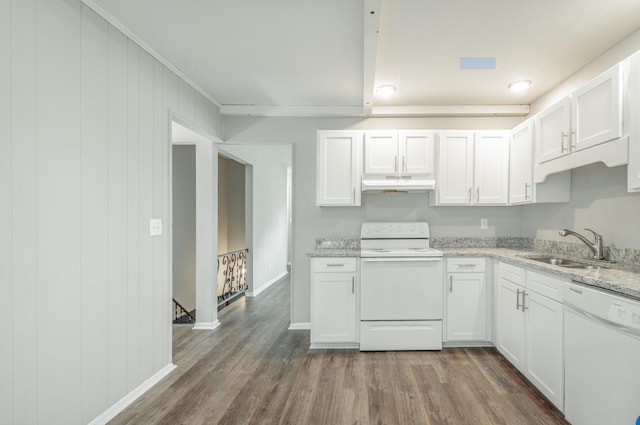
[399,184]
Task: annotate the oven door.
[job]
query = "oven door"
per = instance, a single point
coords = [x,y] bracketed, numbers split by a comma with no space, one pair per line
[407,288]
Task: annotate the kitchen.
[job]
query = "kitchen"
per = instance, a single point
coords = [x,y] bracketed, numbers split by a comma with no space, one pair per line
[596,192]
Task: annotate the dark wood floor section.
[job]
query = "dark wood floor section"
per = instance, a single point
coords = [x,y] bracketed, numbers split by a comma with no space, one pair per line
[252,370]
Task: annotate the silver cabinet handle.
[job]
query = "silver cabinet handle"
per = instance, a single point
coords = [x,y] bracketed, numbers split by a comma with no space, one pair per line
[450,283]
[478,194]
[353,284]
[563,136]
[354,195]
[526,191]
[395,163]
[335,265]
[518,300]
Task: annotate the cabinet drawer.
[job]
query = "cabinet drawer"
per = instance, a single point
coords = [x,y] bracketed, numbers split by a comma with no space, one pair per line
[514,274]
[546,285]
[334,264]
[461,265]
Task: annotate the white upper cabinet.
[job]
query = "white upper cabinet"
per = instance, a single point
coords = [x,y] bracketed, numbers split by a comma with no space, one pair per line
[381,153]
[553,130]
[473,168]
[633,169]
[592,115]
[491,167]
[597,110]
[339,168]
[522,189]
[455,168]
[521,163]
[399,153]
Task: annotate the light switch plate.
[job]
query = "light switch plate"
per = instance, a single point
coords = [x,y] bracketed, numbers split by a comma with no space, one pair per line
[155,227]
[484,224]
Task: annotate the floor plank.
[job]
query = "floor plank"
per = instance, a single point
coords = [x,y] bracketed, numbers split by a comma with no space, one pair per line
[253,370]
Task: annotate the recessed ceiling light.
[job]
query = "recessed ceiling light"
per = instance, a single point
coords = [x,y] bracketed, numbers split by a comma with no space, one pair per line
[386,89]
[519,86]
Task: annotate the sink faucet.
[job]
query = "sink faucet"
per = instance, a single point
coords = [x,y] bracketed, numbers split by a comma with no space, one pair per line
[595,247]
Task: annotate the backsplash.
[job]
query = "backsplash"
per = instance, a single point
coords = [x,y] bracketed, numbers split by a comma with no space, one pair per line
[624,256]
[336,243]
[513,242]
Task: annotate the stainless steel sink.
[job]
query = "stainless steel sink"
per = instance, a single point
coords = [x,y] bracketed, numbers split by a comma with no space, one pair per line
[562,262]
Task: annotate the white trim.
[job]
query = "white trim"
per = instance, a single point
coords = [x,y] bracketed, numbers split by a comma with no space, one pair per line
[300,326]
[612,154]
[334,345]
[276,279]
[292,110]
[463,344]
[205,326]
[130,34]
[451,111]
[125,401]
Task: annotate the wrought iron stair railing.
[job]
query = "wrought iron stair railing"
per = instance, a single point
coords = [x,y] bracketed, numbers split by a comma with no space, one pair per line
[232,281]
[181,314]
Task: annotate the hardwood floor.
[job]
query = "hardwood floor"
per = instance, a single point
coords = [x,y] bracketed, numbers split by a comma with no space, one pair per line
[252,370]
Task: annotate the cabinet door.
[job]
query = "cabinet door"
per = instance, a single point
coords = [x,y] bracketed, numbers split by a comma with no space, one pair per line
[416,152]
[597,110]
[521,164]
[338,168]
[491,167]
[381,153]
[633,169]
[455,172]
[466,307]
[553,128]
[333,308]
[511,322]
[545,346]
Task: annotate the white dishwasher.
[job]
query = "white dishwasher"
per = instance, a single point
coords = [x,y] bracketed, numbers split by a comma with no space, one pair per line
[602,357]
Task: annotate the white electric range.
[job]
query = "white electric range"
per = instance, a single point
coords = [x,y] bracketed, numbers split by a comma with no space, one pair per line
[401,293]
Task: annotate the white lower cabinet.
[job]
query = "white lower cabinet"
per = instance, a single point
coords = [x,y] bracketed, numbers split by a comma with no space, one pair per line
[466,300]
[529,331]
[334,306]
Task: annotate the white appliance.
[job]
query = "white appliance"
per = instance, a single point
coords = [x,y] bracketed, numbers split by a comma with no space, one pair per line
[400,288]
[602,357]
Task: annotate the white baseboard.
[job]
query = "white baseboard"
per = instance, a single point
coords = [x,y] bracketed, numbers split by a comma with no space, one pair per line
[125,401]
[300,326]
[206,325]
[276,279]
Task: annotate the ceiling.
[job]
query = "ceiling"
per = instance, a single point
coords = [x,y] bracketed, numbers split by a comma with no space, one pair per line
[325,57]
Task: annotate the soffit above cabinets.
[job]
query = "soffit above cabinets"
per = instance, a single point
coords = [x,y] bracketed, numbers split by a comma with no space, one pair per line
[325,58]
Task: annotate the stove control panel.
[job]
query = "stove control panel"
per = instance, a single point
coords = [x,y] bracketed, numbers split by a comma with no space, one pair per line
[402,230]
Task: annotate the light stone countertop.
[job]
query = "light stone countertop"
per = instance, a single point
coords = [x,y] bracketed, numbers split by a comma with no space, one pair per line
[622,282]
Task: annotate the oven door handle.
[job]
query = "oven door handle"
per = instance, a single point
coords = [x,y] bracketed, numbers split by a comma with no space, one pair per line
[403,260]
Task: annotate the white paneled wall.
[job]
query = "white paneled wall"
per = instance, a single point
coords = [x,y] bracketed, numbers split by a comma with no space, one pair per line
[84,164]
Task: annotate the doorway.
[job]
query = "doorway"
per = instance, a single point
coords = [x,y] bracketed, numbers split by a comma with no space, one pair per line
[194,202]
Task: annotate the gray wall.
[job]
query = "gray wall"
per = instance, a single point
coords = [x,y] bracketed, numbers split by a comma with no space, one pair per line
[84,164]
[231,208]
[184,225]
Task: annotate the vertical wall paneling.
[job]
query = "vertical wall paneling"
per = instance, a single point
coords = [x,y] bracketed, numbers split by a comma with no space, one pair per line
[145,203]
[6,272]
[133,228]
[160,132]
[24,211]
[94,317]
[59,210]
[117,213]
[85,312]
